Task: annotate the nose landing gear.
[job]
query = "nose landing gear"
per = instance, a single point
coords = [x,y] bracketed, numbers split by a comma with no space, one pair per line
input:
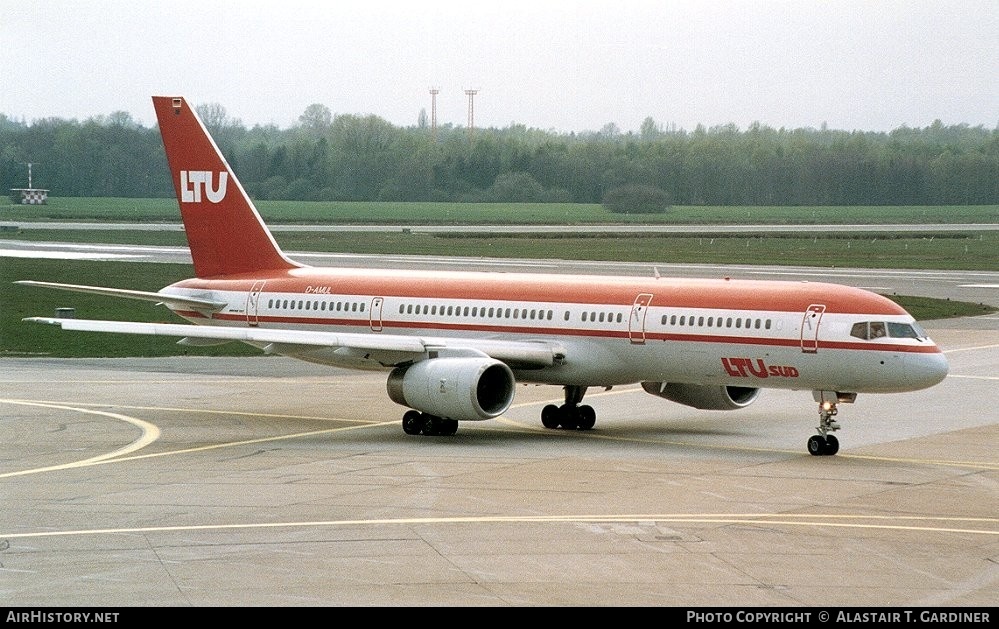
[824,443]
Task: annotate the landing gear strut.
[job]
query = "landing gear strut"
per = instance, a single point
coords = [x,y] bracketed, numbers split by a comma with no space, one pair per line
[824,443]
[417,423]
[570,415]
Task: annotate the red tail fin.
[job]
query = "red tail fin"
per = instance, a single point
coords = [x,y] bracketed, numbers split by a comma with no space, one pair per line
[224,230]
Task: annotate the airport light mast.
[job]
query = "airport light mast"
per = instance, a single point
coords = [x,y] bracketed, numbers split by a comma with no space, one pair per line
[434,91]
[471,110]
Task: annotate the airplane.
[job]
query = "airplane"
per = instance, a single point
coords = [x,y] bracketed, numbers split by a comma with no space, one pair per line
[456,343]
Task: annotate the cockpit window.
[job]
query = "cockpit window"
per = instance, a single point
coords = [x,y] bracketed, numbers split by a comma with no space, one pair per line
[869,330]
[903,331]
[861,330]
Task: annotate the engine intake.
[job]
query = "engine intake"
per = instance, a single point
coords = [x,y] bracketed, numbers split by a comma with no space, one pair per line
[456,388]
[704,397]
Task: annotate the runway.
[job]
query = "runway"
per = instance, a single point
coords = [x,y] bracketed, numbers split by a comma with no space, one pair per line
[268,482]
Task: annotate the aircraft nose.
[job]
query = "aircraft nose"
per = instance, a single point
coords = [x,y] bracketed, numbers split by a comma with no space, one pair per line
[925,370]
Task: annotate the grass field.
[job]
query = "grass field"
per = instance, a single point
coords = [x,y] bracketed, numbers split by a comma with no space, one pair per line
[165,210]
[18,338]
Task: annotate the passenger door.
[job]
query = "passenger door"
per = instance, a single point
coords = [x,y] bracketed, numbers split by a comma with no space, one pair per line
[636,322]
[810,328]
[253,303]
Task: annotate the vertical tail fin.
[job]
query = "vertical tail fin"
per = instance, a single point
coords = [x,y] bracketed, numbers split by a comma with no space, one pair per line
[224,230]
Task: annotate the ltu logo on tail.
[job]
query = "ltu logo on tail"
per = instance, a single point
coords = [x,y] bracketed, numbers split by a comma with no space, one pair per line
[193,181]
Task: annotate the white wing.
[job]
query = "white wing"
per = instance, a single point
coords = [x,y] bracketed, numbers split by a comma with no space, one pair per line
[385,349]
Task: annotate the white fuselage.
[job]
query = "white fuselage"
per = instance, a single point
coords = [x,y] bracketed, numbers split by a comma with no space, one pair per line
[645,338]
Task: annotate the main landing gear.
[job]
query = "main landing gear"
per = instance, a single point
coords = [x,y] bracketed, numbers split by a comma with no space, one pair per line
[417,423]
[570,415]
[825,444]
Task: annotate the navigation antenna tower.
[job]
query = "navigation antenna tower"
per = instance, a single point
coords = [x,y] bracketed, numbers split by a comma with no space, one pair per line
[433,112]
[471,110]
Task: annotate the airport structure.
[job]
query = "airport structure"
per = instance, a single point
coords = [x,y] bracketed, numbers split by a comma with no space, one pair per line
[471,109]
[434,91]
[29,195]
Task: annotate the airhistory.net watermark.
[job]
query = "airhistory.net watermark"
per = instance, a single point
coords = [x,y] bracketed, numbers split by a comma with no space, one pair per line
[22,616]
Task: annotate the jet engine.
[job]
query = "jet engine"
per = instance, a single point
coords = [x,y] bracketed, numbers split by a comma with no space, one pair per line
[704,397]
[455,388]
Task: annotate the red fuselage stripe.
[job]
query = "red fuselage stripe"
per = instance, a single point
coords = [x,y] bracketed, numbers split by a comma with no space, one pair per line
[418,326]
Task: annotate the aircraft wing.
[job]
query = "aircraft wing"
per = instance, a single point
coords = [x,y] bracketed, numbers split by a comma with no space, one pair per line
[159,298]
[386,349]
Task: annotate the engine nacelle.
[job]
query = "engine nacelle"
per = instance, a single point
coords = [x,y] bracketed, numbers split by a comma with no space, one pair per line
[704,397]
[454,388]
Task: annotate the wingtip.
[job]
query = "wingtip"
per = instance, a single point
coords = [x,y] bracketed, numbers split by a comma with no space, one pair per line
[45,320]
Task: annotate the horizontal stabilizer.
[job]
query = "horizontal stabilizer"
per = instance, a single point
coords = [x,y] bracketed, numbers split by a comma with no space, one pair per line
[159,298]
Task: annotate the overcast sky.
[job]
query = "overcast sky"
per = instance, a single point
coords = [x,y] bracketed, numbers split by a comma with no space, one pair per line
[566,66]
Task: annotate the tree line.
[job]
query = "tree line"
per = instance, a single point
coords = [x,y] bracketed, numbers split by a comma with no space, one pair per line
[326,157]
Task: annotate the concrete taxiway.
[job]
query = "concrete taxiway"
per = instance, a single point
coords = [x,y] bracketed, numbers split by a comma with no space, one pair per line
[264,481]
